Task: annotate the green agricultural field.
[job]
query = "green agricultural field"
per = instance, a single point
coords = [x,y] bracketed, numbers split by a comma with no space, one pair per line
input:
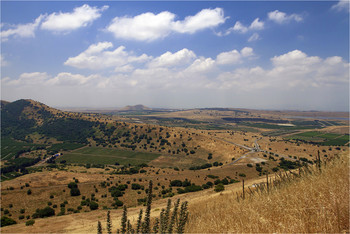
[321,138]
[337,141]
[96,155]
[10,147]
[329,136]
[309,134]
[65,146]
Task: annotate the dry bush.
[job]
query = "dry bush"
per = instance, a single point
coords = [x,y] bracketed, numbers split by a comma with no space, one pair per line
[316,202]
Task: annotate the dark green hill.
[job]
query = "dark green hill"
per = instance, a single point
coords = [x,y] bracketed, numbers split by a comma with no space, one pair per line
[23,117]
[13,122]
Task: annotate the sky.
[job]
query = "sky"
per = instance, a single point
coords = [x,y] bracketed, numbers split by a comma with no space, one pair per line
[290,55]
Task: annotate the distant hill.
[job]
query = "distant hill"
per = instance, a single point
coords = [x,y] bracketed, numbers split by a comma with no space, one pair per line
[135,108]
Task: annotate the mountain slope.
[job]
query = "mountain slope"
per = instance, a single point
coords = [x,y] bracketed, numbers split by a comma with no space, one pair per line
[25,116]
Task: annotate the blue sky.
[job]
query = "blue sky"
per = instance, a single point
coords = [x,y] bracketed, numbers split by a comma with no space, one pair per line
[264,55]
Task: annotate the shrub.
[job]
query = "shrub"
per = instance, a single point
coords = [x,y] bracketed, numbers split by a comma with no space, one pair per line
[242,175]
[249,165]
[74,192]
[225,181]
[30,222]
[218,181]
[117,203]
[176,183]
[22,211]
[219,187]
[192,188]
[93,205]
[46,212]
[205,186]
[21,217]
[29,191]
[72,185]
[135,186]
[6,221]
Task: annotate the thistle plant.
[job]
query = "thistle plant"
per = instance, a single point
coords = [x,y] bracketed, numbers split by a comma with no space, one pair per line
[109,224]
[168,221]
[139,222]
[99,228]
[124,220]
[147,226]
[173,217]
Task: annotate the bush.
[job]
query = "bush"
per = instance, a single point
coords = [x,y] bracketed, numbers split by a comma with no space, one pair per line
[219,187]
[135,186]
[21,217]
[6,221]
[192,188]
[46,212]
[29,191]
[72,185]
[176,183]
[22,211]
[74,192]
[205,186]
[225,181]
[30,222]
[249,165]
[212,176]
[117,203]
[93,205]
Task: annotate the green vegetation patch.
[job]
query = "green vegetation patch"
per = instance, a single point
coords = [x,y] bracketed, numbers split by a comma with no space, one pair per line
[65,146]
[10,147]
[321,138]
[96,155]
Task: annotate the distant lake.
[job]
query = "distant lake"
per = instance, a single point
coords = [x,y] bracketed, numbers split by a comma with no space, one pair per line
[318,117]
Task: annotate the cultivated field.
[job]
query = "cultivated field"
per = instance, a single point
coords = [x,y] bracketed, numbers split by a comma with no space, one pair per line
[96,155]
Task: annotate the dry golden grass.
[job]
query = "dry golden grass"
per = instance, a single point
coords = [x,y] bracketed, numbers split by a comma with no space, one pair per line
[318,202]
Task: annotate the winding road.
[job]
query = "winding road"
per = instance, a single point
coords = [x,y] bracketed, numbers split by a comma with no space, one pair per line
[252,150]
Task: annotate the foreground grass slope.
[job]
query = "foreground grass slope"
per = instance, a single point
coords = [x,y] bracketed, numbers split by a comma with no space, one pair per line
[318,202]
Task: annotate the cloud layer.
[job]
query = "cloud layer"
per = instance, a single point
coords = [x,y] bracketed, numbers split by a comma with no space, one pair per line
[184,67]
[149,26]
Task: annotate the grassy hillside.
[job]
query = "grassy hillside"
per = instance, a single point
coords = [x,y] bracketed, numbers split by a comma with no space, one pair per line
[318,202]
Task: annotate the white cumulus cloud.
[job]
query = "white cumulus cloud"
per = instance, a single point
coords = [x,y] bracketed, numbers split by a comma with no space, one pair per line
[149,26]
[282,17]
[168,59]
[234,56]
[99,56]
[68,21]
[22,30]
